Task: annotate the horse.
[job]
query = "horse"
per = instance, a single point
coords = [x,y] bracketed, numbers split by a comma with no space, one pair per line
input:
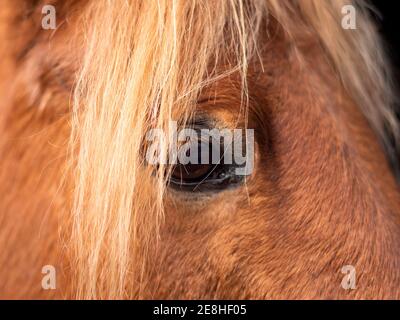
[78,196]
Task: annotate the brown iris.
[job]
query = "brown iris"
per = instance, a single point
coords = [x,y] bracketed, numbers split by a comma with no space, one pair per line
[191,172]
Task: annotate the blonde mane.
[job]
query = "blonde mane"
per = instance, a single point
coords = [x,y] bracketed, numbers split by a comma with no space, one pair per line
[146,62]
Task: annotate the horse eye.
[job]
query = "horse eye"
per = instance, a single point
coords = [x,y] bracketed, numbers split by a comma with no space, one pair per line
[191,172]
[199,177]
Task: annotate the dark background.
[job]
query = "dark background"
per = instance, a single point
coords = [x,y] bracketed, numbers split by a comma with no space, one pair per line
[389,26]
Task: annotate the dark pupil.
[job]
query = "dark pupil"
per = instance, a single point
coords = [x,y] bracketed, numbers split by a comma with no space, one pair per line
[193,172]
